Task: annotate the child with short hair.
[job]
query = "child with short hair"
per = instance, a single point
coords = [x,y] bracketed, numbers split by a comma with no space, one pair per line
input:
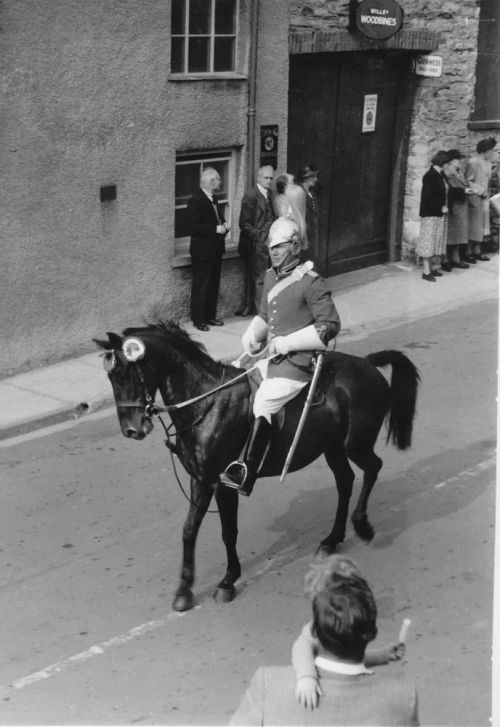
[320,576]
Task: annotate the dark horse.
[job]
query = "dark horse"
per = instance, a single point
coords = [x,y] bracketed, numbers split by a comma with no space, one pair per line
[351,402]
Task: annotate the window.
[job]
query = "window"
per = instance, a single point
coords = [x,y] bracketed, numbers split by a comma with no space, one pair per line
[487,90]
[203,36]
[188,169]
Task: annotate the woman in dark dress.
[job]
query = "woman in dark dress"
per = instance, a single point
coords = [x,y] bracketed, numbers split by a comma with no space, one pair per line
[434,216]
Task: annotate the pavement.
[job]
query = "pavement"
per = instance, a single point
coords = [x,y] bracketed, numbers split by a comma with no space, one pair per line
[367,300]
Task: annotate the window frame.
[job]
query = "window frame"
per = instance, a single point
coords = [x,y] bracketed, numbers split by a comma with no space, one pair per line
[486,114]
[205,158]
[210,72]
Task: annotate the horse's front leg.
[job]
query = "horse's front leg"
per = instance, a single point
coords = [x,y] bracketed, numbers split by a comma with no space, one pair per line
[227,502]
[201,494]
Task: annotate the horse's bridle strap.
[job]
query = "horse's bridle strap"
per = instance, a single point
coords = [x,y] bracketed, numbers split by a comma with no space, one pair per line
[174,407]
[182,404]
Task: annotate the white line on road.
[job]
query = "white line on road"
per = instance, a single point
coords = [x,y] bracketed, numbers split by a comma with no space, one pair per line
[137,631]
[96,650]
[472,472]
[133,633]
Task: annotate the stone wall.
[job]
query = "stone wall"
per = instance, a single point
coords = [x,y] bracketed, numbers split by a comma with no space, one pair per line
[442,105]
[87,102]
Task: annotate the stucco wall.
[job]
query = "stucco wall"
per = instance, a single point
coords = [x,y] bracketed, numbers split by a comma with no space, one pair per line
[442,105]
[86,101]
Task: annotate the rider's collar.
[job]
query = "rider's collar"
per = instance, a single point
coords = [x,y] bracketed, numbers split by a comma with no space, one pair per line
[286,267]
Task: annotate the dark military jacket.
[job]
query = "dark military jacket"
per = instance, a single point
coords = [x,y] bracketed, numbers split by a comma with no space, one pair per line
[294,302]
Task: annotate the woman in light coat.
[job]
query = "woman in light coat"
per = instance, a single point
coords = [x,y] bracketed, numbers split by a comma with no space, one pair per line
[478,176]
[290,201]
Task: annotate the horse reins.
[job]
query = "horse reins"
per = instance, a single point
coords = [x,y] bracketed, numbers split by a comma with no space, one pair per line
[194,399]
[151,409]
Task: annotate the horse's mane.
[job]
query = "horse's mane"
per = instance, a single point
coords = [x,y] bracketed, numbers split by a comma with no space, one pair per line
[172,335]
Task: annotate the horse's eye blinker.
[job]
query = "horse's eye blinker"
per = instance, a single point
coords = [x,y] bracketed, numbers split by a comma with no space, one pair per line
[109,361]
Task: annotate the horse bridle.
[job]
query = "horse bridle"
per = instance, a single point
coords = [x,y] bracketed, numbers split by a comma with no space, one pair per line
[150,408]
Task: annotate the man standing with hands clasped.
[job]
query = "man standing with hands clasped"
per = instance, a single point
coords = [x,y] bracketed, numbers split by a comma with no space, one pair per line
[256,217]
[208,230]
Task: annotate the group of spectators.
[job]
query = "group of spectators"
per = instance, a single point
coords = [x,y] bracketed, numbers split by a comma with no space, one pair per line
[455,210]
[331,680]
[291,197]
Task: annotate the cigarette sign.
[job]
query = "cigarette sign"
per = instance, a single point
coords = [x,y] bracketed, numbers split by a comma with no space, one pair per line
[369,113]
[429,66]
[379,19]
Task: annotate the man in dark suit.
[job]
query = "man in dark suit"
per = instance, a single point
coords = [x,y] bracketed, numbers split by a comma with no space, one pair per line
[208,230]
[256,217]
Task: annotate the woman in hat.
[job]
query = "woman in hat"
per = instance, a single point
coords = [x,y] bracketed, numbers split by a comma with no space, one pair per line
[308,177]
[434,213]
[458,216]
[478,175]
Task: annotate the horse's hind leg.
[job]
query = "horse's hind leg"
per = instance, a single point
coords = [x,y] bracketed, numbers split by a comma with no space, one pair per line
[344,477]
[201,494]
[371,466]
[227,502]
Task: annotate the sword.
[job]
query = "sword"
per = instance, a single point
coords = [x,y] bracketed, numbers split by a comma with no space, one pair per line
[305,411]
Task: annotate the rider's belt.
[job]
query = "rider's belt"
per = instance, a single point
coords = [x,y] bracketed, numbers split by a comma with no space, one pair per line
[301,360]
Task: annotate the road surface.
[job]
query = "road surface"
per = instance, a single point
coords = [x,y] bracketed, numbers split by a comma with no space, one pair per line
[90,553]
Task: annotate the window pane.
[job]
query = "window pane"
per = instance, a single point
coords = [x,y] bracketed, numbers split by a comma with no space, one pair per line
[225,16]
[178,16]
[187,181]
[199,16]
[199,54]
[224,54]
[177,55]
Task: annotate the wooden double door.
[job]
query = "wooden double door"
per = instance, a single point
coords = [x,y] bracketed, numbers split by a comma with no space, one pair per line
[361,173]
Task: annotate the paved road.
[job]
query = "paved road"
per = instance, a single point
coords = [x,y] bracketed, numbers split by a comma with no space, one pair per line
[90,553]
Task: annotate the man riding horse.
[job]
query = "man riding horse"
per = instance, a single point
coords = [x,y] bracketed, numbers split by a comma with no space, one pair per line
[297,317]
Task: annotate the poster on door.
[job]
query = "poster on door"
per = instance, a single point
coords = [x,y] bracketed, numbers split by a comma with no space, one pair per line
[369,113]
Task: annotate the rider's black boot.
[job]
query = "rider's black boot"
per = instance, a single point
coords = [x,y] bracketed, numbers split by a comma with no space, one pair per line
[242,473]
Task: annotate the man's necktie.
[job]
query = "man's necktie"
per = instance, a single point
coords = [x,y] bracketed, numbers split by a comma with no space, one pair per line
[216,211]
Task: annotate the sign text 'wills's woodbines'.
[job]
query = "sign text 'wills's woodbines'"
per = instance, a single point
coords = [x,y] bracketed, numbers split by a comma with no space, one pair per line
[379,19]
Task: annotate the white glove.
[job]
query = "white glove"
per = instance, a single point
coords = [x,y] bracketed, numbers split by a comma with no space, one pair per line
[305,339]
[279,345]
[255,334]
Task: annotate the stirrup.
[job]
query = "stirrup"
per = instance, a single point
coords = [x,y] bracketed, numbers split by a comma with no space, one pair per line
[235,474]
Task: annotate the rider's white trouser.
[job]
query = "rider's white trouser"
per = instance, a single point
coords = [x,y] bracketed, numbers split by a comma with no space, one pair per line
[273,393]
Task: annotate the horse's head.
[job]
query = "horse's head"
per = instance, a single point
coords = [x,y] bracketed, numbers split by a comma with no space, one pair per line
[134,382]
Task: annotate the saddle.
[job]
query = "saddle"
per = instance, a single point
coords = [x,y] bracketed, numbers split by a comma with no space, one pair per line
[278,420]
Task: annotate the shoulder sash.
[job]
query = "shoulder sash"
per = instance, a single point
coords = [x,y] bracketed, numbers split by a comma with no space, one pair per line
[296,275]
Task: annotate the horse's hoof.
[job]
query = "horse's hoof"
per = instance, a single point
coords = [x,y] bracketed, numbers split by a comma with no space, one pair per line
[224,595]
[363,529]
[325,549]
[183,601]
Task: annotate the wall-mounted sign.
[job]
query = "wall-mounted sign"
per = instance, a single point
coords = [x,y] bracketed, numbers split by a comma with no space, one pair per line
[429,66]
[269,145]
[379,19]
[369,113]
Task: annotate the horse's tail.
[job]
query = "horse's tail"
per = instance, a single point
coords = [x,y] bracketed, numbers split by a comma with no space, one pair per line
[404,385]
